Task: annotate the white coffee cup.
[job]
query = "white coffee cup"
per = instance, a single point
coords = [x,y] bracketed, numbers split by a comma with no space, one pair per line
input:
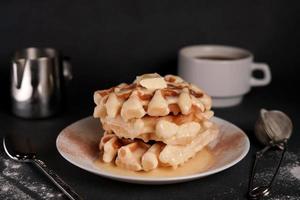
[224,72]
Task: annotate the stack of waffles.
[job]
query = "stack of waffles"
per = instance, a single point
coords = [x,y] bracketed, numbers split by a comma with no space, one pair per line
[154,122]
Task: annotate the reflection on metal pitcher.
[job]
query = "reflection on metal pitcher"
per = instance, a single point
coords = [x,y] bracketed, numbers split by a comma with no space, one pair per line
[38,77]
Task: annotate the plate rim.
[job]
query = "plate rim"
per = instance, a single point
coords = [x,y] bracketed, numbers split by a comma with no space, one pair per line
[157,180]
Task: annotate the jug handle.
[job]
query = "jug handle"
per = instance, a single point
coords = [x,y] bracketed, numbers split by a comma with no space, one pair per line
[67,69]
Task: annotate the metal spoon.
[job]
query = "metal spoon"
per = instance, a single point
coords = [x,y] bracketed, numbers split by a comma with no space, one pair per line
[32,158]
[273,129]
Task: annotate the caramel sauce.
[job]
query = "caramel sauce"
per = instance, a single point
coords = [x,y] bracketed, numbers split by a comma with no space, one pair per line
[202,161]
[174,108]
[181,119]
[177,87]
[105,92]
[170,79]
[196,94]
[169,92]
[145,97]
[130,86]
[124,95]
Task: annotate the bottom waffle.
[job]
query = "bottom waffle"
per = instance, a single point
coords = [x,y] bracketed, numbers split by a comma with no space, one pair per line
[136,155]
[171,129]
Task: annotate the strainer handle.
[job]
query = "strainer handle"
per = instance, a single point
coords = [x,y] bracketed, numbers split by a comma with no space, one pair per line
[260,191]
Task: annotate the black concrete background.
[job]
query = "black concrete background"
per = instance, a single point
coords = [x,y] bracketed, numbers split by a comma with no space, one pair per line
[113,41]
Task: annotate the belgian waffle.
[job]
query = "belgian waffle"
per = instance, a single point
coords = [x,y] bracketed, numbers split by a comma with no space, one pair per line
[137,155]
[176,130]
[147,97]
[153,117]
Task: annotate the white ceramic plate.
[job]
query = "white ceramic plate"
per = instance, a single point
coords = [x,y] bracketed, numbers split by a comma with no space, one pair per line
[78,144]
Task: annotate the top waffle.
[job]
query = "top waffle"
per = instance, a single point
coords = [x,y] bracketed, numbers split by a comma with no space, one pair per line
[151,95]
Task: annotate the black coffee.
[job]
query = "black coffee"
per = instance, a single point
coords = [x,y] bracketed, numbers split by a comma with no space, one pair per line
[218,57]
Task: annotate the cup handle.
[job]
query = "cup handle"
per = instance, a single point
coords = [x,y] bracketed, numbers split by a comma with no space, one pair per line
[267,74]
[67,69]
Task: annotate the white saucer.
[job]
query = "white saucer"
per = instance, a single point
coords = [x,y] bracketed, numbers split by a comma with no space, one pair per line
[222,102]
[78,144]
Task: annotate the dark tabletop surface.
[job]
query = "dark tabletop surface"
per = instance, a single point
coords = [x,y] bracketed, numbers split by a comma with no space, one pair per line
[111,42]
[22,181]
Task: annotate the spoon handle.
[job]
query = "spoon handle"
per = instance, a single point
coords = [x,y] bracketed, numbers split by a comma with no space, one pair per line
[65,188]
